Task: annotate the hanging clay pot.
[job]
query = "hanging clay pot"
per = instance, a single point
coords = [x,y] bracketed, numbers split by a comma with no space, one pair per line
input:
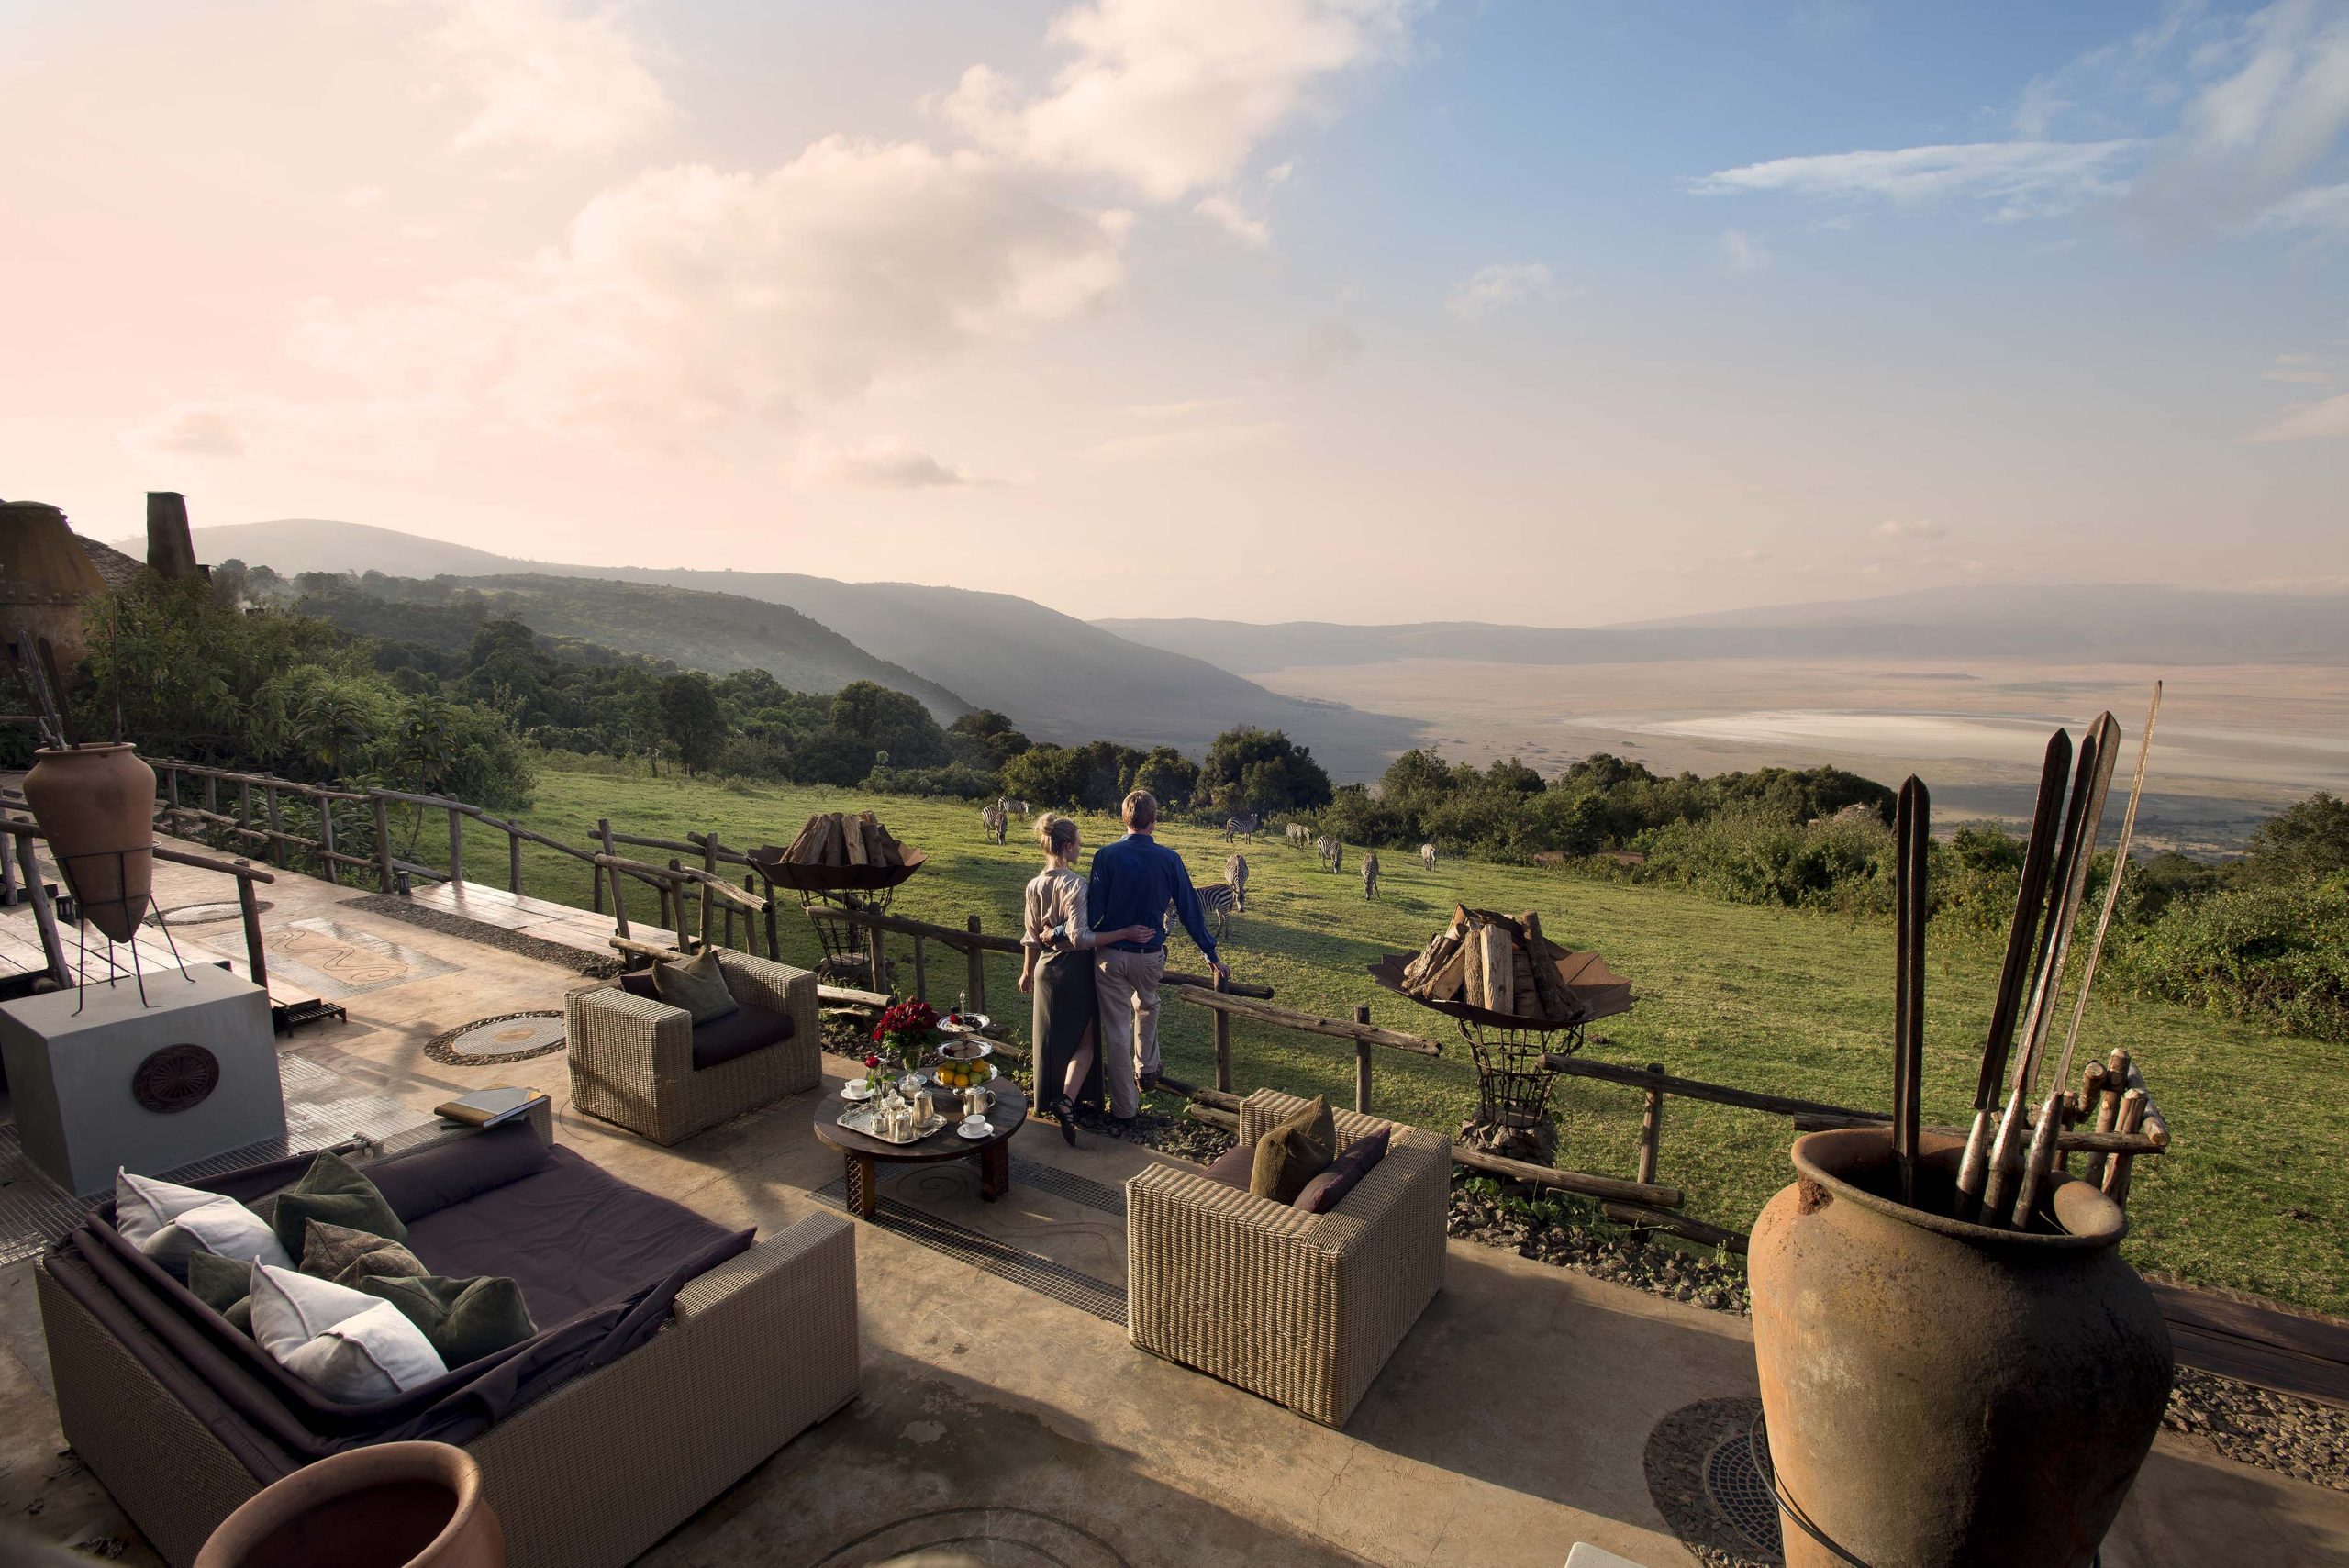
[96,804]
[1942,1394]
[412,1505]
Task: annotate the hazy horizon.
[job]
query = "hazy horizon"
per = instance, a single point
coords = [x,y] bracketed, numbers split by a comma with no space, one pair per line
[1380,311]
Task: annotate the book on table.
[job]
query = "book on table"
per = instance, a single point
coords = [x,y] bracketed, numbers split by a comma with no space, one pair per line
[488,1107]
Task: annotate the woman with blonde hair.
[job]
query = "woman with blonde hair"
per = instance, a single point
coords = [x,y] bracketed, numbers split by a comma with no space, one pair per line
[1056,946]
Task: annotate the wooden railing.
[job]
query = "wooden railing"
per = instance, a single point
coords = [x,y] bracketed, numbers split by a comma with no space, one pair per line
[18,834]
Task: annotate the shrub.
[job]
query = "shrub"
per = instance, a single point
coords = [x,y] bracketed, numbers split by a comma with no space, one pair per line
[2273,951]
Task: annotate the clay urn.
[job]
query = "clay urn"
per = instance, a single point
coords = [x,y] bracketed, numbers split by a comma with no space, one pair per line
[413,1505]
[96,804]
[1940,1393]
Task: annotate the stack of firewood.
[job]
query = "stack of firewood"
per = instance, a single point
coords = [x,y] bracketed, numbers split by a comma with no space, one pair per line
[845,839]
[1491,961]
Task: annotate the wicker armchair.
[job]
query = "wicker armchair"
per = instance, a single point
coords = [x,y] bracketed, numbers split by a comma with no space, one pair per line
[632,1057]
[1302,1308]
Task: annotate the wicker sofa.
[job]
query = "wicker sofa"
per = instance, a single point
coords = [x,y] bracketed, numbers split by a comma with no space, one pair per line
[641,1063]
[588,1473]
[1301,1308]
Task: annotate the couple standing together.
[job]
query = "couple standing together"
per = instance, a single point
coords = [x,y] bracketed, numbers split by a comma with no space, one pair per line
[1093,949]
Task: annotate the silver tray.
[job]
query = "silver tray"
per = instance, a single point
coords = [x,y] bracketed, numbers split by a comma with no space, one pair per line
[865,1120]
[929,1075]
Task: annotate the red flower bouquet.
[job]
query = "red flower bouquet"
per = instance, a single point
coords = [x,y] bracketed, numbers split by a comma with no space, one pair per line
[907,1031]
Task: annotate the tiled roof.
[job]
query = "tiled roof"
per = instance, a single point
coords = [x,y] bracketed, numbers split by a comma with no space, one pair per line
[113,565]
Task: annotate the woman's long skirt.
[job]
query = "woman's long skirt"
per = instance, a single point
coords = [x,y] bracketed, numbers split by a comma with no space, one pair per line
[1063,1011]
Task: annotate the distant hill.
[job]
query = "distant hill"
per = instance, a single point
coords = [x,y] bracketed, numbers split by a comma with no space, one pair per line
[2118,623]
[719,633]
[1057,677]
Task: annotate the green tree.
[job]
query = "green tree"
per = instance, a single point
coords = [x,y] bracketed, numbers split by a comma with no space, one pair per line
[690,720]
[886,720]
[986,739]
[2310,838]
[1264,771]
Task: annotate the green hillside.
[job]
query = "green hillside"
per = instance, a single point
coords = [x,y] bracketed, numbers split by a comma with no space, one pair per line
[1785,1001]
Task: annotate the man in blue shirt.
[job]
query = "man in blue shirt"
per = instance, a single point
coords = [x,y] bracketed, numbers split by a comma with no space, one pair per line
[1133,881]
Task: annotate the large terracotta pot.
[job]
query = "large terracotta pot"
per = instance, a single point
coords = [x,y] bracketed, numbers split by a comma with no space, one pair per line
[391,1505]
[96,804]
[1940,1393]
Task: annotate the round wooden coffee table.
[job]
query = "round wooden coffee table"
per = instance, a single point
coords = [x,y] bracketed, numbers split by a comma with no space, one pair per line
[862,1153]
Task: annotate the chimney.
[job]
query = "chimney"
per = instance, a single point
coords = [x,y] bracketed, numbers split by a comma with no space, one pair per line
[170,550]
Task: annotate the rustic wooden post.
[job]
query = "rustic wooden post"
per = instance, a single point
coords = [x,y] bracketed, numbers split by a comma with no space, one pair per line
[326,838]
[619,895]
[248,905]
[673,906]
[52,946]
[1222,1045]
[171,786]
[212,794]
[8,893]
[2131,1120]
[276,826]
[2108,1109]
[1650,1128]
[1361,1063]
[775,939]
[514,863]
[456,846]
[383,874]
[922,970]
[880,961]
[244,809]
[975,978]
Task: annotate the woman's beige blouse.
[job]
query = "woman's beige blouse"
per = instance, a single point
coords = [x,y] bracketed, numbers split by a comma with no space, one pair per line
[1055,910]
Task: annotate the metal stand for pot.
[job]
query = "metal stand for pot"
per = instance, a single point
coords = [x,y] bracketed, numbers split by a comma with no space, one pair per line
[137,906]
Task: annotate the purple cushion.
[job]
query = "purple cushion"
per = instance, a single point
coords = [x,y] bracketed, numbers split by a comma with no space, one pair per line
[747,1029]
[1233,1166]
[639,983]
[1323,1192]
[433,1178]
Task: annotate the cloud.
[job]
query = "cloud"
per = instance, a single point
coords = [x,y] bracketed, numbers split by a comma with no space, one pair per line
[1908,527]
[2320,209]
[360,199]
[1191,440]
[690,299]
[1501,285]
[190,430]
[884,465]
[2296,367]
[2025,178]
[1323,348]
[1746,253]
[543,79]
[1243,225]
[1751,556]
[1173,96]
[2326,420]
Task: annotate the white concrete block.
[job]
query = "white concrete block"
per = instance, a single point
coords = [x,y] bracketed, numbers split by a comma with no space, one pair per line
[1586,1555]
[71,1058]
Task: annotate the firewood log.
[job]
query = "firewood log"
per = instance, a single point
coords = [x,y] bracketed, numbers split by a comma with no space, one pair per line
[1552,1000]
[853,839]
[1495,967]
[834,850]
[870,828]
[802,845]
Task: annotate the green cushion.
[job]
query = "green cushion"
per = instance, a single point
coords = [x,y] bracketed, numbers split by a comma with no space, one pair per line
[697,985]
[1294,1151]
[334,1191]
[225,1284]
[338,1253]
[464,1318]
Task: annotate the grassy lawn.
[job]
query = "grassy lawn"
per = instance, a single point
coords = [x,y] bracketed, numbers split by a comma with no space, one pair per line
[2255,1196]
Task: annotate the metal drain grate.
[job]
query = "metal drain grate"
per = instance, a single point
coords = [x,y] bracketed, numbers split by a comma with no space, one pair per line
[1708,1472]
[1076,1189]
[1738,1481]
[1063,1283]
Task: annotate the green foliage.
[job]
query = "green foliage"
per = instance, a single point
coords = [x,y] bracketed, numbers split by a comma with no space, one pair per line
[2268,947]
[985,739]
[690,721]
[1094,776]
[2308,840]
[1260,771]
[1747,854]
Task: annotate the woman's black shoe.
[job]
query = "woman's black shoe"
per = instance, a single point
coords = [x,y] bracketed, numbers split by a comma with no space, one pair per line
[1066,1111]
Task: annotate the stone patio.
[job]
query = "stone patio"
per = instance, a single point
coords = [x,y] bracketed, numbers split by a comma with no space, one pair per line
[1001,1423]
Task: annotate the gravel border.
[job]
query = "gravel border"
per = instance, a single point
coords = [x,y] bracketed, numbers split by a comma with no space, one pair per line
[2305,1438]
[516,942]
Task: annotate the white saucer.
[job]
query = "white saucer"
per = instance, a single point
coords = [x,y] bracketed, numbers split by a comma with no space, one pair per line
[974,1129]
[856,1089]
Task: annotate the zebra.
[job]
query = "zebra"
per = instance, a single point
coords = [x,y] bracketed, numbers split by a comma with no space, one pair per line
[1017,807]
[1216,903]
[1331,851]
[995,820]
[1427,855]
[1370,873]
[1300,835]
[1242,826]
[1235,876]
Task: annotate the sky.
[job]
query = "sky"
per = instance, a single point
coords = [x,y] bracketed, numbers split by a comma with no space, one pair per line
[1355,310]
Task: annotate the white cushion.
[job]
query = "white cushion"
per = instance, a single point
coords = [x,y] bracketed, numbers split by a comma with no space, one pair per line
[167,1222]
[347,1345]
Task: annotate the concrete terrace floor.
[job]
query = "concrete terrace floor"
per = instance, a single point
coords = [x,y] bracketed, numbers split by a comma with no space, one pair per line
[997,1425]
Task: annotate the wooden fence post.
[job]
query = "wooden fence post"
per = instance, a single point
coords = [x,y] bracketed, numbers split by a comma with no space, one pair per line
[514,863]
[212,794]
[922,970]
[248,907]
[276,826]
[975,970]
[1650,1128]
[237,840]
[52,945]
[673,906]
[8,895]
[1222,1027]
[1361,1063]
[619,893]
[383,875]
[595,881]
[775,939]
[456,846]
[325,840]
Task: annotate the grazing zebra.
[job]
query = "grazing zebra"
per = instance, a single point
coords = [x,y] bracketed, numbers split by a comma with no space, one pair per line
[1300,835]
[995,819]
[1242,826]
[1549,858]
[1216,905]
[1017,807]
[1370,873]
[1427,855]
[1331,851]
[1235,876]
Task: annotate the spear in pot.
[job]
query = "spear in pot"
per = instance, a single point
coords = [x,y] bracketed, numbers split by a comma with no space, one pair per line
[2113,889]
[1911,832]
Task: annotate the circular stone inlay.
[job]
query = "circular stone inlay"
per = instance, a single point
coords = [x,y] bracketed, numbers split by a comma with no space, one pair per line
[175,1078]
[204,914]
[1709,1471]
[510,1037]
[977,1538]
